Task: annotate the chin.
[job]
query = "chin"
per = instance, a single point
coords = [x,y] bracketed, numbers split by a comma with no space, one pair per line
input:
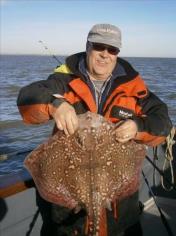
[100,71]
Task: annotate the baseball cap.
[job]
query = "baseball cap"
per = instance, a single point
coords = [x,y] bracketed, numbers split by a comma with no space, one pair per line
[105,34]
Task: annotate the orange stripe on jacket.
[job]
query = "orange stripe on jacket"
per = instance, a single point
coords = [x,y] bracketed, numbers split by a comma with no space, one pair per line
[149,139]
[71,97]
[37,113]
[84,92]
[133,87]
[114,93]
[129,89]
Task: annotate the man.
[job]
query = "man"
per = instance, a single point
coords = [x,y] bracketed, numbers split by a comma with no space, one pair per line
[99,81]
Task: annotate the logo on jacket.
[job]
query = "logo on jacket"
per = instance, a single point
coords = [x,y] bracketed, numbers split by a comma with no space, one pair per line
[121,112]
[125,114]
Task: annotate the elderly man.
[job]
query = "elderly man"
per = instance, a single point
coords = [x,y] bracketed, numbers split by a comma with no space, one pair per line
[98,81]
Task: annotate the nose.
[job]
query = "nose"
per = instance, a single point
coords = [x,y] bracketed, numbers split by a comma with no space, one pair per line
[104,53]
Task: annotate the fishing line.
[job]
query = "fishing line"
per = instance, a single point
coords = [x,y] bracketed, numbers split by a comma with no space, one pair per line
[51,54]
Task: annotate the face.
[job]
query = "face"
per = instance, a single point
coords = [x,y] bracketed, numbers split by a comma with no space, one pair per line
[101,60]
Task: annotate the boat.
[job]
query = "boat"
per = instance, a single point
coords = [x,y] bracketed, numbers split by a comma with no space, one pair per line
[20,215]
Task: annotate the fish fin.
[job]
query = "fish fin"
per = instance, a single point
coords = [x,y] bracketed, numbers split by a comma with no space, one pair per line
[108,204]
[86,230]
[115,210]
[77,209]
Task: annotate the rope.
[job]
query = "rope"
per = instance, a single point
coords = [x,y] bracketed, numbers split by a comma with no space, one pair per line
[168,159]
[161,173]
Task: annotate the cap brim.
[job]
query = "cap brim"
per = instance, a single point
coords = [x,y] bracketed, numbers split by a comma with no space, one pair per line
[104,41]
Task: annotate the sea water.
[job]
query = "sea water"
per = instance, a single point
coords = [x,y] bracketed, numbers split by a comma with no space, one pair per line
[16,71]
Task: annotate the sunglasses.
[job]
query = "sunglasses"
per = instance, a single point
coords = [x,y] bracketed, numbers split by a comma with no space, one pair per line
[101,47]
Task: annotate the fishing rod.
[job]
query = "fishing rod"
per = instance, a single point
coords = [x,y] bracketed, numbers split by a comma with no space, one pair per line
[51,54]
[163,218]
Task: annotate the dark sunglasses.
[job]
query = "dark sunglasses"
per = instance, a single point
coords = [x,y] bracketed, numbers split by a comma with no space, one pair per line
[101,47]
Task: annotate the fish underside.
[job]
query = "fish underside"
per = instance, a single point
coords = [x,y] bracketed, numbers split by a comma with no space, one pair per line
[88,169]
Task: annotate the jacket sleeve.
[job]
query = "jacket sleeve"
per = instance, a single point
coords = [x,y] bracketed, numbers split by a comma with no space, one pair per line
[154,125]
[36,102]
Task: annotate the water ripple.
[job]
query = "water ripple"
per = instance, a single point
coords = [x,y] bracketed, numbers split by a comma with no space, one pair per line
[17,71]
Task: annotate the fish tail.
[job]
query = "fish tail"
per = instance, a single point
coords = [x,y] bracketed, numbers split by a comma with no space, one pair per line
[103,223]
[96,227]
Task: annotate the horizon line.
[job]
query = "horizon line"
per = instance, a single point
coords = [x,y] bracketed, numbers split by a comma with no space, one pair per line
[66,55]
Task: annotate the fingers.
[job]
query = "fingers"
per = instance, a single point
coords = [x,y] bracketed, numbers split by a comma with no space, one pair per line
[126,131]
[59,125]
[123,139]
[71,124]
[74,120]
[66,118]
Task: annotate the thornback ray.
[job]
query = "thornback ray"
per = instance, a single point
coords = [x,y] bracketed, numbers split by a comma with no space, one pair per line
[88,169]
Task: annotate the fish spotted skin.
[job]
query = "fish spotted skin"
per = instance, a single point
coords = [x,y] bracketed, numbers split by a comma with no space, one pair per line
[88,169]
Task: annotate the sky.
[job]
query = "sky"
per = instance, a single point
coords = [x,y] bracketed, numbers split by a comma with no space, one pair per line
[148,26]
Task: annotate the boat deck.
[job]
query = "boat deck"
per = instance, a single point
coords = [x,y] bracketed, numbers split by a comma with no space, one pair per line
[16,223]
[151,220]
[18,204]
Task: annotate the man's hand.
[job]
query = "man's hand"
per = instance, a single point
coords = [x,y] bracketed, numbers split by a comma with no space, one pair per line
[126,131]
[66,118]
